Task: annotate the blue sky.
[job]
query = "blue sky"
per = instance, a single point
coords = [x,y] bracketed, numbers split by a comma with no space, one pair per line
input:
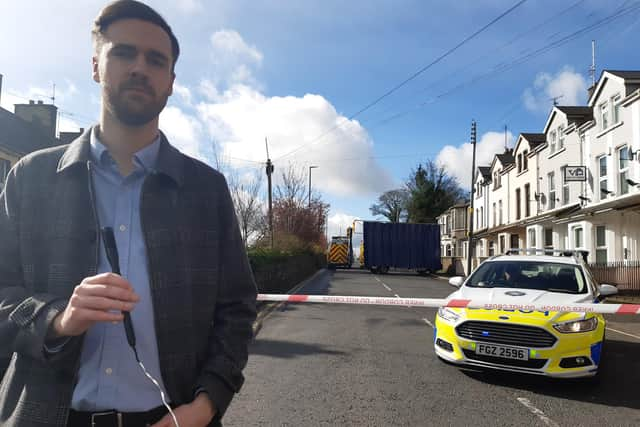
[293,70]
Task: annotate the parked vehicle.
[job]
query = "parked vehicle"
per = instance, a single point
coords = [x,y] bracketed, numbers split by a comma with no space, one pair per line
[340,253]
[555,344]
[400,245]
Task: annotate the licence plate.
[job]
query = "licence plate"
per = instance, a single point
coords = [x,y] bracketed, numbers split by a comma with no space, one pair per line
[502,351]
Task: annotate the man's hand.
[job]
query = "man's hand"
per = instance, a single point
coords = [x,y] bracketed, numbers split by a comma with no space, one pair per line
[95,300]
[198,413]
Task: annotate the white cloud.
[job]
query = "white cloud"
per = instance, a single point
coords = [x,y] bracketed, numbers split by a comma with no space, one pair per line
[567,84]
[185,132]
[233,59]
[188,6]
[457,160]
[243,117]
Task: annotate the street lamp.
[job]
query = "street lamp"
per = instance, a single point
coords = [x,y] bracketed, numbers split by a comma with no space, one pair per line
[310,167]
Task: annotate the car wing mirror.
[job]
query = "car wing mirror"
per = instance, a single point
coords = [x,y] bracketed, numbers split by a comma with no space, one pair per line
[456,281]
[606,290]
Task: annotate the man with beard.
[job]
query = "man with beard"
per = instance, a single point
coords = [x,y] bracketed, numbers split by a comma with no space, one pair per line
[185,280]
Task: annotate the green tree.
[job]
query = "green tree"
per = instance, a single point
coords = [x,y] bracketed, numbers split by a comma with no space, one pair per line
[392,205]
[431,191]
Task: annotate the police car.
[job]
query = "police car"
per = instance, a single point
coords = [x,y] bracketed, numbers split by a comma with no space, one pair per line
[550,343]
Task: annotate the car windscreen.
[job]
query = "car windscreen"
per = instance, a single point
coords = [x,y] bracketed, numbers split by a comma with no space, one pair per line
[545,276]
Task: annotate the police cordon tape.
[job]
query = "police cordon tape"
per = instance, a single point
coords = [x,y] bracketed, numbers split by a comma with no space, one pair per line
[455,303]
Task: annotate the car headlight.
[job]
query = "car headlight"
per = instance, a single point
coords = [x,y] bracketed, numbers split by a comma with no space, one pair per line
[577,326]
[448,315]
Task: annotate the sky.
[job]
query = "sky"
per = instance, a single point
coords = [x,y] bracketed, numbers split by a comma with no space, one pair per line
[364,90]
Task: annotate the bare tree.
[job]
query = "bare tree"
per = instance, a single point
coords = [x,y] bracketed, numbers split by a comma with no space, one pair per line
[392,205]
[248,205]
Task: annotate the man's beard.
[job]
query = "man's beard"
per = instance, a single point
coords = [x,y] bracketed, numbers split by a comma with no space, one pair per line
[134,113]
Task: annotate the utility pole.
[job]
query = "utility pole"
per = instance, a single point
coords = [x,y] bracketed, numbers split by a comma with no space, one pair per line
[269,170]
[310,167]
[592,69]
[472,193]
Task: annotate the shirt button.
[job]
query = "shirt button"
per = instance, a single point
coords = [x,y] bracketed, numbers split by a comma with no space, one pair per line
[109,371]
[123,227]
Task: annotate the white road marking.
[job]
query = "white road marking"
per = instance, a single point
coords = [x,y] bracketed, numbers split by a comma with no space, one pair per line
[428,323]
[537,412]
[384,284]
[624,333]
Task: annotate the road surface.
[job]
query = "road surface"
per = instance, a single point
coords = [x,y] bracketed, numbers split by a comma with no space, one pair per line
[346,365]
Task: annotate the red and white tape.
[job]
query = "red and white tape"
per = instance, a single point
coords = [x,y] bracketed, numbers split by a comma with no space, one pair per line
[456,303]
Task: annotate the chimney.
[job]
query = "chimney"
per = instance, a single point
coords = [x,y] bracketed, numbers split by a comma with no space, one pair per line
[590,91]
[43,116]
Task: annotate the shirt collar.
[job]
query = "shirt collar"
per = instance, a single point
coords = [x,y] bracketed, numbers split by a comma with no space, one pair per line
[145,158]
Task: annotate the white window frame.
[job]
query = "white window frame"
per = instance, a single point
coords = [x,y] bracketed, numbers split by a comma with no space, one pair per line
[577,234]
[532,238]
[602,179]
[495,213]
[552,142]
[500,217]
[560,137]
[551,190]
[566,190]
[615,110]
[604,115]
[623,171]
[601,247]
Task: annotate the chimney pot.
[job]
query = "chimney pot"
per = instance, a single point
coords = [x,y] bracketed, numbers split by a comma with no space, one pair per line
[40,102]
[31,102]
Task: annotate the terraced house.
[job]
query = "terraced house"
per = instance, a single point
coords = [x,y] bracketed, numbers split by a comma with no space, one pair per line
[575,185]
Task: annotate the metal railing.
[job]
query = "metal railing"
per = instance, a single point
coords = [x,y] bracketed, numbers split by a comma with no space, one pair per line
[625,275]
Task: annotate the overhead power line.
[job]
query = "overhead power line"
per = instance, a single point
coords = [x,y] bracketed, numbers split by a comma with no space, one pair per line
[620,13]
[408,79]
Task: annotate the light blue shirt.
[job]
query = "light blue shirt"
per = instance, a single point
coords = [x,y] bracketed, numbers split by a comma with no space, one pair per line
[109,376]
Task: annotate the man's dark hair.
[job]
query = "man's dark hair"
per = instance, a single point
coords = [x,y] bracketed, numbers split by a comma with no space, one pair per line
[131,9]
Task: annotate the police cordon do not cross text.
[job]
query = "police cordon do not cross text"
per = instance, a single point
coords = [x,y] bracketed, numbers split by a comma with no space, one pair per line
[455,303]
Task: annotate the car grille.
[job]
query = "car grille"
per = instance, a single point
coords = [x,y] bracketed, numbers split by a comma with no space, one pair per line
[506,333]
[531,363]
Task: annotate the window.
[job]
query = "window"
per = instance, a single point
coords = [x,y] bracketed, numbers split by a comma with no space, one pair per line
[552,141]
[518,201]
[602,177]
[577,237]
[623,169]
[448,250]
[604,115]
[525,160]
[601,244]
[532,238]
[565,190]
[501,248]
[519,162]
[615,102]
[551,182]
[460,222]
[496,179]
[492,248]
[527,198]
[560,137]
[494,215]
[5,167]
[514,242]
[500,211]
[548,238]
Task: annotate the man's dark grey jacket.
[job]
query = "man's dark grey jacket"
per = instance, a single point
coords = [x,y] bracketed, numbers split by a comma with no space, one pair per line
[202,286]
